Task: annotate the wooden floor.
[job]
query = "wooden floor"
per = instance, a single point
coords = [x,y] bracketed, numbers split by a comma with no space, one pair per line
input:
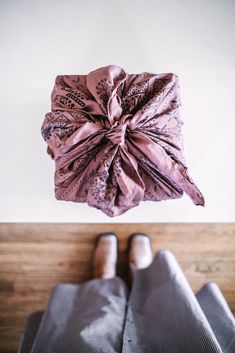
[35,257]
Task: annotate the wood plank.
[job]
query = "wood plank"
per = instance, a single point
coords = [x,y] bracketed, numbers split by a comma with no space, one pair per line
[36,256]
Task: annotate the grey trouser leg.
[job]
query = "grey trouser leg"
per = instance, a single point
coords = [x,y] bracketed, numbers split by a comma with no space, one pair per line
[83,318]
[30,331]
[219,315]
[163,313]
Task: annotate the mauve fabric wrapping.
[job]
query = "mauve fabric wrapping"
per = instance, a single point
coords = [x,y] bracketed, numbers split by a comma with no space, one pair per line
[116,139]
[160,315]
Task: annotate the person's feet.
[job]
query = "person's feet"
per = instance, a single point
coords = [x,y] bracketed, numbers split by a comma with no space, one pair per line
[140,251]
[105,256]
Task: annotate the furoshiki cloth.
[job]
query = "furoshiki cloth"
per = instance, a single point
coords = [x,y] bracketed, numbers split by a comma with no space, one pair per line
[116,139]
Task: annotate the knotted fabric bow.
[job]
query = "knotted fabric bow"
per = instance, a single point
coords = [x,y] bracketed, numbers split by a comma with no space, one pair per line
[116,139]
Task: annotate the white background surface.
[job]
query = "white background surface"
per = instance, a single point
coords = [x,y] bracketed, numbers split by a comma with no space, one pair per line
[41,39]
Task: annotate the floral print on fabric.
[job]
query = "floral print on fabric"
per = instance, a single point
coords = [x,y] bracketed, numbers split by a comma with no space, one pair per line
[116,139]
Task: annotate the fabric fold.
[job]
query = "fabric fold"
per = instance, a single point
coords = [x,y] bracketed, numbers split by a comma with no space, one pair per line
[130,118]
[161,313]
[78,318]
[219,315]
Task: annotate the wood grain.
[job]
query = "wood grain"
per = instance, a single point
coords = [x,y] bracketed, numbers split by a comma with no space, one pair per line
[36,256]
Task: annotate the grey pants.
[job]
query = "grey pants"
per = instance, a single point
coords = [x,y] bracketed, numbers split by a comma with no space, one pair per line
[161,314]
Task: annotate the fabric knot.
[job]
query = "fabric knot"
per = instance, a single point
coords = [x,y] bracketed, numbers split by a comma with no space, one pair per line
[117,134]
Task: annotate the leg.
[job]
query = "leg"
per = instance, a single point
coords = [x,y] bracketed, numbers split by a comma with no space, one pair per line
[30,331]
[105,256]
[163,314]
[83,318]
[139,253]
[88,317]
[218,314]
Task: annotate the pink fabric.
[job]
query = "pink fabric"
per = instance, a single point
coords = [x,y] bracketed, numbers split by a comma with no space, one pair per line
[116,139]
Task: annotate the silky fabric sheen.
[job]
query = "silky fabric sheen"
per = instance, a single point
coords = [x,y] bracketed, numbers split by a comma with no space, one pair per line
[161,314]
[116,139]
